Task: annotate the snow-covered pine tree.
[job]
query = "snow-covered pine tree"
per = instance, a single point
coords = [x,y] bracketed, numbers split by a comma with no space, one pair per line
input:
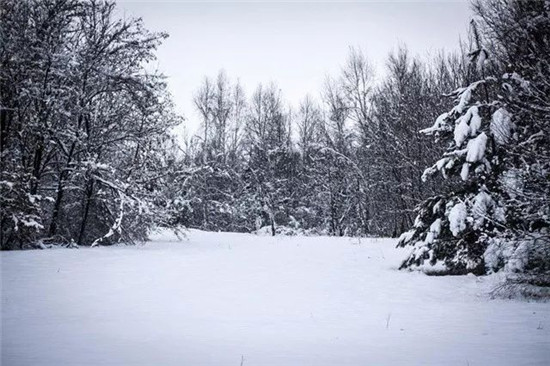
[496,135]
[454,229]
[518,33]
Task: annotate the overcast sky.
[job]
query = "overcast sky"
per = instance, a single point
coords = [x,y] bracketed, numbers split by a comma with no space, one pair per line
[295,44]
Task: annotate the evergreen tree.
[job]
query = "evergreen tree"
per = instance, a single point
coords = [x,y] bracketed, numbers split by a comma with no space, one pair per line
[493,134]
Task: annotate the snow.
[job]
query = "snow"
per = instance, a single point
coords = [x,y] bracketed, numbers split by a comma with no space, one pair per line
[465,171]
[467,125]
[476,148]
[418,222]
[33,198]
[457,218]
[475,121]
[512,182]
[427,172]
[514,254]
[441,163]
[406,236]
[498,251]
[29,221]
[433,233]
[437,207]
[240,299]
[7,184]
[438,166]
[116,225]
[437,126]
[465,95]
[516,77]
[482,203]
[501,126]
[462,130]
[481,59]
[464,99]
[519,259]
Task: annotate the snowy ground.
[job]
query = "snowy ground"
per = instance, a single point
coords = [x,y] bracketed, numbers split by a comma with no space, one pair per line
[236,299]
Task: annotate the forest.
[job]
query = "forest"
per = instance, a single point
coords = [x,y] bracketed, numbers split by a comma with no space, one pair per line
[450,153]
[394,214]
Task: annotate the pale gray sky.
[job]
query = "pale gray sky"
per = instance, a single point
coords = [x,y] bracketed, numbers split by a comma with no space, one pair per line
[295,44]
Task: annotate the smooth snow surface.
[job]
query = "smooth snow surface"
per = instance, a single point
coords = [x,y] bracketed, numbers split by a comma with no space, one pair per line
[237,299]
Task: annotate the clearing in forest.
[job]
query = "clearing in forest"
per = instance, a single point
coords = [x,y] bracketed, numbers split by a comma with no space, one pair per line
[241,299]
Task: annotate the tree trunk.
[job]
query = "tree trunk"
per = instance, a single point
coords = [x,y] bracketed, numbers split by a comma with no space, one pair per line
[60,190]
[88,201]
[37,162]
[57,206]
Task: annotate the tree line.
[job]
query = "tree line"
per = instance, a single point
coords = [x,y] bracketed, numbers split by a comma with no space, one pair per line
[348,162]
[88,157]
[362,160]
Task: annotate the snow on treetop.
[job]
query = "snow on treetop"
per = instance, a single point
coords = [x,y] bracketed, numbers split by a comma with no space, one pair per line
[464,96]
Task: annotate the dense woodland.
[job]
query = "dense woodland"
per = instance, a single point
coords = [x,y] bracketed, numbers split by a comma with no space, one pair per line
[451,152]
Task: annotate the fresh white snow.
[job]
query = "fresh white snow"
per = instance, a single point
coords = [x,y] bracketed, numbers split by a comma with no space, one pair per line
[501,126]
[476,148]
[467,125]
[482,203]
[435,230]
[457,218]
[465,171]
[438,125]
[462,131]
[475,121]
[238,299]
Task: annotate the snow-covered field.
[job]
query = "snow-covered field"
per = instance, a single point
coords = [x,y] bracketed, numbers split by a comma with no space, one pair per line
[237,299]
